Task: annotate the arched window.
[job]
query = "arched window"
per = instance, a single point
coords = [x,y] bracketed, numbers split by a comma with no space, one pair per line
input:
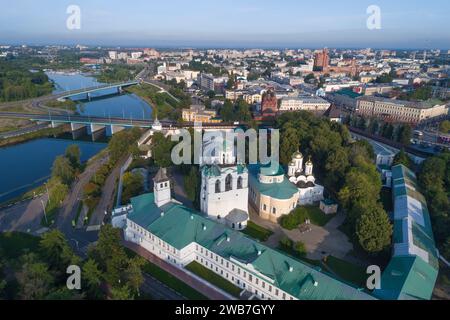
[229,183]
[218,186]
[239,183]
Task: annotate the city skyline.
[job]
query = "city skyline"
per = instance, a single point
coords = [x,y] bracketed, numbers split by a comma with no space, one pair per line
[242,24]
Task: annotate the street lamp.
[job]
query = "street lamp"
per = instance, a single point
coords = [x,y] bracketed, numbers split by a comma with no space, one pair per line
[45,213]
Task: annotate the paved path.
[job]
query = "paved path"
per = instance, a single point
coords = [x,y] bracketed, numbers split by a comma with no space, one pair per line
[319,242]
[69,208]
[194,283]
[25,216]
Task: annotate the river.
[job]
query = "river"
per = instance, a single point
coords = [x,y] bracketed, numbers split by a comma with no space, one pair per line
[25,166]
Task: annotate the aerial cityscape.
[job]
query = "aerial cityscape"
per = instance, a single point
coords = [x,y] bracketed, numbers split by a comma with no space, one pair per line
[247,154]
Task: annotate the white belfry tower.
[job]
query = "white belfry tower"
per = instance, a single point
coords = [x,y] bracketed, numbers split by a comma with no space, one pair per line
[161,188]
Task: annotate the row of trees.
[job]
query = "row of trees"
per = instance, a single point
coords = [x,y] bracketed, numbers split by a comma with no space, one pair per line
[40,273]
[434,179]
[346,169]
[64,171]
[401,133]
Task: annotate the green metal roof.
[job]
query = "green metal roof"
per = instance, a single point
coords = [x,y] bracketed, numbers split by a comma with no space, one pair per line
[284,190]
[412,272]
[406,278]
[180,226]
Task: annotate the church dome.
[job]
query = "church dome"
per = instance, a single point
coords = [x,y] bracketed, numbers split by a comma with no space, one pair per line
[271,170]
[298,155]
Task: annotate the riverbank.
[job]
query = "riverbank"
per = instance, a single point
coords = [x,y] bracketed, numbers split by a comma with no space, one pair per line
[164,106]
[43,133]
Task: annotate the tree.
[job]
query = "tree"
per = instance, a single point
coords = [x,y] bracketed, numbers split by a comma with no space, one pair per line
[286,242]
[109,254]
[63,170]
[73,154]
[92,277]
[444,126]
[227,111]
[134,273]
[300,248]
[402,158]
[289,145]
[34,279]
[191,184]
[242,111]
[374,126]
[211,94]
[91,190]
[384,78]
[309,77]
[133,185]
[405,134]
[162,150]
[374,229]
[121,293]
[231,81]
[56,250]
[64,294]
[388,131]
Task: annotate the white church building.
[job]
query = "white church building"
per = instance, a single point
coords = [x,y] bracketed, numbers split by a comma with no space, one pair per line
[224,184]
[303,178]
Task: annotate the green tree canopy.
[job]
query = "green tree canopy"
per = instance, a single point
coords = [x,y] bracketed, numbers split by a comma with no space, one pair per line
[63,170]
[73,153]
[373,229]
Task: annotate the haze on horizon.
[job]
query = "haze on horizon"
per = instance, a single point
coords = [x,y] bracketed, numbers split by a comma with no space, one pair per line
[405,24]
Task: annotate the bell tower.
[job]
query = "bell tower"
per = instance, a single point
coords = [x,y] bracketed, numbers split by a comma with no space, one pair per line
[161,188]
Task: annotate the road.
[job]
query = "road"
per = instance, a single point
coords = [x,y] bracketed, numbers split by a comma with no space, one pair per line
[69,208]
[79,239]
[158,290]
[23,131]
[25,216]
[106,203]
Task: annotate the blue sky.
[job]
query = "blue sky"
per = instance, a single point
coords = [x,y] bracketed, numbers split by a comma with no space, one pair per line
[232,23]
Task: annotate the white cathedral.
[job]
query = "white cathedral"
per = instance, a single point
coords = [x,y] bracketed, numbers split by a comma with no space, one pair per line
[303,178]
[224,187]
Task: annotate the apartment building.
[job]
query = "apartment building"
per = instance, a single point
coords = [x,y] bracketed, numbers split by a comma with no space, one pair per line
[198,113]
[304,103]
[401,111]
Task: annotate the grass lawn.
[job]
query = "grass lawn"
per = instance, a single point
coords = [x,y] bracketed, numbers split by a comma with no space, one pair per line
[173,282]
[348,271]
[316,216]
[169,280]
[294,254]
[213,278]
[13,244]
[257,232]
